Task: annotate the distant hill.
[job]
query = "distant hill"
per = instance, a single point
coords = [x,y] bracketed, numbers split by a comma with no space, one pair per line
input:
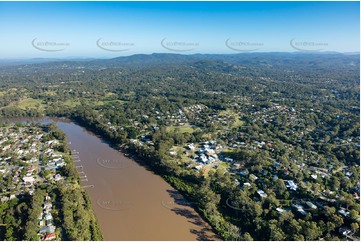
[317,60]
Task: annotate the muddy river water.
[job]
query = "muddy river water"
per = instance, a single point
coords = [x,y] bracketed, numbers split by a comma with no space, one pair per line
[129,201]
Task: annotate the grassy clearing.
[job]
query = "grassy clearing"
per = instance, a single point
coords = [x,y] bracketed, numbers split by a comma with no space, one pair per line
[99,103]
[107,102]
[206,169]
[71,103]
[238,123]
[8,92]
[185,159]
[109,94]
[225,113]
[29,103]
[182,129]
[116,102]
[225,164]
[228,153]
[130,94]
[50,93]
[232,114]
[207,136]
[180,151]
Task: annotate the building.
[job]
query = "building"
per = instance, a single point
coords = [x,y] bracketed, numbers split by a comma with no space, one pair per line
[300,209]
[291,185]
[203,158]
[247,184]
[253,177]
[343,212]
[191,146]
[344,231]
[28,179]
[228,159]
[50,236]
[311,205]
[261,193]
[198,167]
[280,210]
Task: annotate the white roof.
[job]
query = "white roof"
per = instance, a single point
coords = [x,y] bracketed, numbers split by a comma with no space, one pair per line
[28,179]
[261,193]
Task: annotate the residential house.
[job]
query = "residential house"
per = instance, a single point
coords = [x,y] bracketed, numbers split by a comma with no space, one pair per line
[58,177]
[343,212]
[211,159]
[280,210]
[28,179]
[300,209]
[228,159]
[191,146]
[261,193]
[253,177]
[50,236]
[203,158]
[311,205]
[344,231]
[246,184]
[198,167]
[291,185]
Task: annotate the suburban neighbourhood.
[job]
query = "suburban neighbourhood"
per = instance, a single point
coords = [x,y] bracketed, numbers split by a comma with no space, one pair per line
[300,178]
[29,160]
[37,174]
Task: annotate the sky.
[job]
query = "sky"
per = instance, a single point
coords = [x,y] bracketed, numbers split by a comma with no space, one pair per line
[110,29]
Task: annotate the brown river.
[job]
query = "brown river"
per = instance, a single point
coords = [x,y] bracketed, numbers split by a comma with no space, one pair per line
[129,201]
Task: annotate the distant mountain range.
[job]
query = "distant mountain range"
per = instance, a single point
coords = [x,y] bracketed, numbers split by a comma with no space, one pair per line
[165,59]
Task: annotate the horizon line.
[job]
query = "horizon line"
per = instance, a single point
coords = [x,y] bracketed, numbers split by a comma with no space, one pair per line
[184,54]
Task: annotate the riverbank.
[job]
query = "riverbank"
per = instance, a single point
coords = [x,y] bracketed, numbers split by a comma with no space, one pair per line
[129,200]
[143,158]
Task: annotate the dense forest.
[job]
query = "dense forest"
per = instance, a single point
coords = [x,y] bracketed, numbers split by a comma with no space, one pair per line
[274,120]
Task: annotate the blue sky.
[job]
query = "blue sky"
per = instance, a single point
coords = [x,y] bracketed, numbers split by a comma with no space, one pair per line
[109,29]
